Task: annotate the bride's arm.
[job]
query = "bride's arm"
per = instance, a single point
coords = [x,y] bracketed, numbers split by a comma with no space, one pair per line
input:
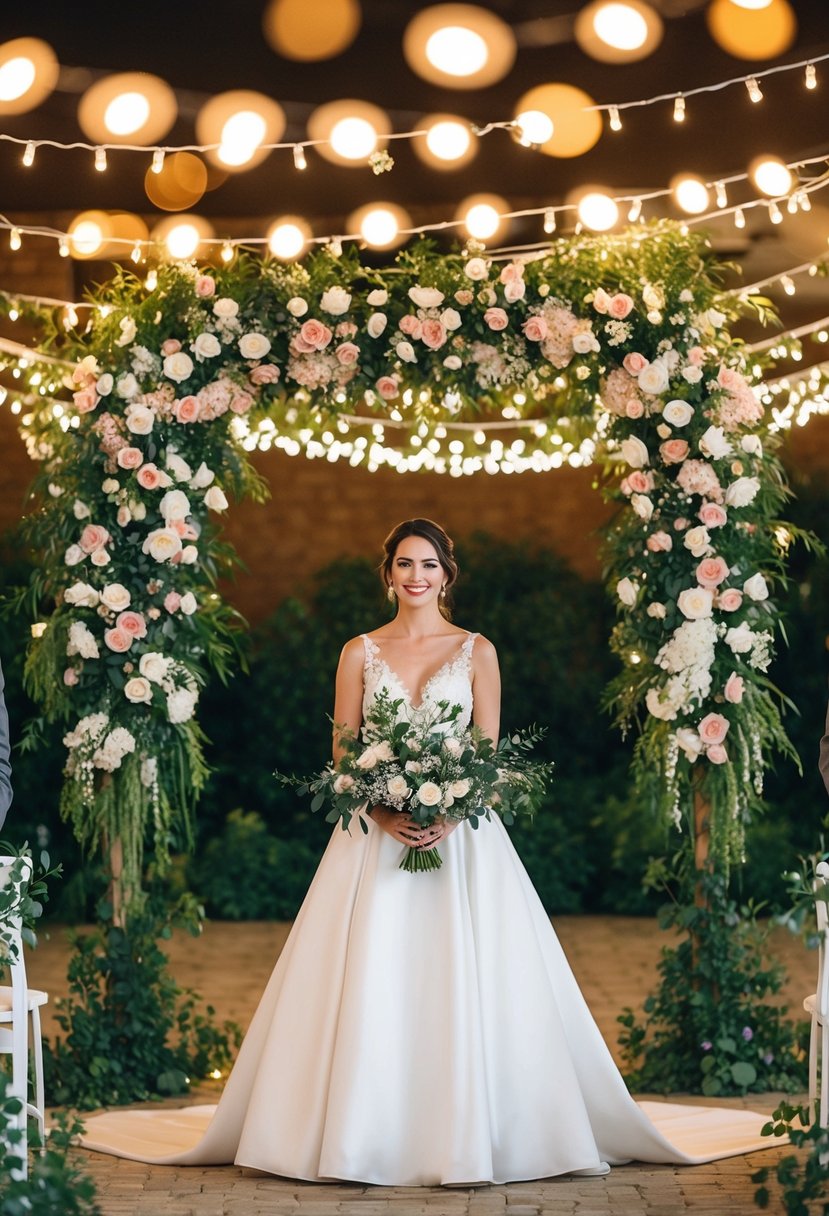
[348,696]
[486,688]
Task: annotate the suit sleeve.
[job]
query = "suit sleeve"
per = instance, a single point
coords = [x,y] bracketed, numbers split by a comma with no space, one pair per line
[823,763]
[5,761]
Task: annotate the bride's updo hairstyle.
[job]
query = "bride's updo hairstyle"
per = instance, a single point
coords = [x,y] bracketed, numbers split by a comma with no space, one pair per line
[427,529]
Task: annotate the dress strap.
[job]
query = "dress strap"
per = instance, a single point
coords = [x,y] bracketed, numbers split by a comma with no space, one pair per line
[372,650]
[466,648]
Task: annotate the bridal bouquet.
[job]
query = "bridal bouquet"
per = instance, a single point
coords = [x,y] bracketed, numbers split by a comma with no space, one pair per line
[430,768]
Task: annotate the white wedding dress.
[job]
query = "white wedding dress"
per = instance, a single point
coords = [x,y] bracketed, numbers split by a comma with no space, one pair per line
[424,1029]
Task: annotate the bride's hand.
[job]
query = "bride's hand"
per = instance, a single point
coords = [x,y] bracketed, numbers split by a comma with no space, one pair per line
[397,825]
[437,832]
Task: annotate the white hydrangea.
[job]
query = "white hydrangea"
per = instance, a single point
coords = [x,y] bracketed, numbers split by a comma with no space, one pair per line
[87,729]
[81,641]
[181,704]
[118,743]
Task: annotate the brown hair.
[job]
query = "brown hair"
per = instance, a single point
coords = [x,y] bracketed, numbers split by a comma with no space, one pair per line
[428,530]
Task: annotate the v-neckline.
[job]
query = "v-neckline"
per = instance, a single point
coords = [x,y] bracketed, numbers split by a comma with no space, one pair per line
[378,657]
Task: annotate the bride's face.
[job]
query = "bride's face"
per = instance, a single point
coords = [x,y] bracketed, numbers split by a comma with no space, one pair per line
[416,573]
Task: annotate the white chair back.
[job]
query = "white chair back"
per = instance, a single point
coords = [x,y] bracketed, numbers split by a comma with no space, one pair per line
[822,914]
[14,1038]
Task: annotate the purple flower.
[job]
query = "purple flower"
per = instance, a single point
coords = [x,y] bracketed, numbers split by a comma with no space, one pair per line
[768,1057]
[705,1045]
[748,1034]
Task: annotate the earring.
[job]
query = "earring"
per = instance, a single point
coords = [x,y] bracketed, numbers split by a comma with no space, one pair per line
[390,594]
[443,592]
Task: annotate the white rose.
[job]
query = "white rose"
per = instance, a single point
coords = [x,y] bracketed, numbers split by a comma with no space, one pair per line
[138,510]
[476,269]
[695,603]
[110,485]
[655,316]
[100,558]
[335,301]
[398,787]
[174,505]
[73,555]
[689,741]
[126,386]
[627,591]
[742,491]
[82,642]
[697,540]
[653,379]
[451,318]
[115,597]
[670,358]
[297,307]
[686,296]
[405,351]
[127,327]
[756,588]
[426,297]
[81,595]
[751,445]
[188,603]
[692,374]
[189,555]
[656,610]
[376,324]
[377,298]
[137,689]
[80,510]
[664,432]
[584,342]
[177,466]
[254,346]
[429,794]
[514,291]
[140,419]
[342,783]
[178,366]
[653,297]
[665,710]
[634,452]
[678,413]
[206,346]
[103,385]
[740,639]
[714,443]
[154,666]
[459,789]
[181,705]
[202,478]
[162,544]
[367,759]
[453,362]
[225,308]
[642,506]
[413,766]
[215,499]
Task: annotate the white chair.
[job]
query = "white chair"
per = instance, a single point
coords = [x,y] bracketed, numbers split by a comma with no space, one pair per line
[19,1003]
[818,1006]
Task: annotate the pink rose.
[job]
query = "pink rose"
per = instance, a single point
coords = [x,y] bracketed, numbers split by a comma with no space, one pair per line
[70,677]
[346,329]
[696,356]
[315,334]
[634,408]
[717,754]
[205,286]
[148,477]
[86,399]
[265,373]
[680,524]
[712,515]
[674,451]
[601,301]
[619,306]
[728,379]
[347,353]
[129,458]
[634,363]
[729,600]
[496,319]
[172,601]
[713,728]
[411,326]
[187,409]
[170,346]
[513,272]
[712,571]
[93,537]
[118,640]
[660,542]
[185,531]
[434,334]
[241,402]
[734,687]
[639,482]
[132,623]
[514,291]
[387,388]
[124,516]
[298,346]
[535,329]
[464,296]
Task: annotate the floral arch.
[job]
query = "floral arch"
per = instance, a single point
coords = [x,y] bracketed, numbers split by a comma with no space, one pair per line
[614,349]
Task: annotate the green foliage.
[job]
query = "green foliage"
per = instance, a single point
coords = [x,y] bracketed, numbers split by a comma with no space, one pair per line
[130,1031]
[55,1184]
[709,1027]
[803,1180]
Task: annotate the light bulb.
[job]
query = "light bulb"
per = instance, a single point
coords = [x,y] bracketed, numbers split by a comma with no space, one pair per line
[690,194]
[534,127]
[739,218]
[16,78]
[550,220]
[353,138]
[299,157]
[457,51]
[482,221]
[136,253]
[615,120]
[86,237]
[754,90]
[598,211]
[241,135]
[448,140]
[379,227]
[635,210]
[811,76]
[29,155]
[100,159]
[227,252]
[182,241]
[620,26]
[158,160]
[127,113]
[287,238]
[775,214]
[771,176]
[679,109]
[722,194]
[15,240]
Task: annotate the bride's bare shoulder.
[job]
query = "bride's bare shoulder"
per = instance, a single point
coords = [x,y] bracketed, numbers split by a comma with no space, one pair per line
[484,650]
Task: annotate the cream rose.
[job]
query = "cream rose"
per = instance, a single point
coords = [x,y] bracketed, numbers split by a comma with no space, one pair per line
[202,477]
[81,595]
[128,332]
[642,506]
[254,346]
[459,789]
[126,386]
[742,491]
[734,688]
[297,307]
[188,603]
[634,452]
[690,743]
[377,298]
[695,603]
[154,666]
[335,301]
[429,794]
[678,413]
[175,505]
[405,351]
[178,366]
[426,297]
[451,319]
[140,419]
[343,783]
[215,499]
[627,591]
[697,541]
[476,269]
[162,545]
[376,324]
[653,379]
[115,597]
[756,588]
[206,346]
[398,787]
[225,308]
[657,611]
[138,690]
[367,759]
[751,445]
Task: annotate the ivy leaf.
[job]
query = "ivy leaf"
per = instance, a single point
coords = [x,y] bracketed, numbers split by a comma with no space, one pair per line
[743,1073]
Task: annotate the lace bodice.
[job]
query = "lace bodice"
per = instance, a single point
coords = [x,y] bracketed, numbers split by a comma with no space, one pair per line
[452,683]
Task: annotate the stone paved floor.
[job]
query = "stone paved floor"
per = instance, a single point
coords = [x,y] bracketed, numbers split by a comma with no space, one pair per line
[614,960]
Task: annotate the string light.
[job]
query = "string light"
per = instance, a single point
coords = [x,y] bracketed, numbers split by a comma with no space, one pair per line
[100,159]
[721,194]
[635,210]
[15,240]
[151,281]
[227,252]
[550,220]
[615,119]
[679,109]
[299,157]
[787,283]
[29,154]
[811,76]
[158,160]
[63,247]
[739,218]
[754,91]
[136,252]
[775,214]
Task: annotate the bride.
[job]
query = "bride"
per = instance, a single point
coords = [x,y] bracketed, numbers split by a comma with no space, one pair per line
[423,1029]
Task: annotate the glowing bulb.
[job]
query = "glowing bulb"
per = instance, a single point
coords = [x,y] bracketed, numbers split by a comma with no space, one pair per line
[690,194]
[16,78]
[722,195]
[353,138]
[739,218]
[29,155]
[598,211]
[811,76]
[456,50]
[182,241]
[241,136]
[87,238]
[15,242]
[158,160]
[771,176]
[482,221]
[787,284]
[620,26]
[775,214]
[136,253]
[287,239]
[100,160]
[299,157]
[151,281]
[679,109]
[127,113]
[752,4]
[615,120]
[534,127]
[379,227]
[635,210]
[227,252]
[754,90]
[448,140]
[550,220]
[63,247]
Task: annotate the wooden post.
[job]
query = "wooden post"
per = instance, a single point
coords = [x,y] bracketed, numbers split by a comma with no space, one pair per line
[702,842]
[115,856]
